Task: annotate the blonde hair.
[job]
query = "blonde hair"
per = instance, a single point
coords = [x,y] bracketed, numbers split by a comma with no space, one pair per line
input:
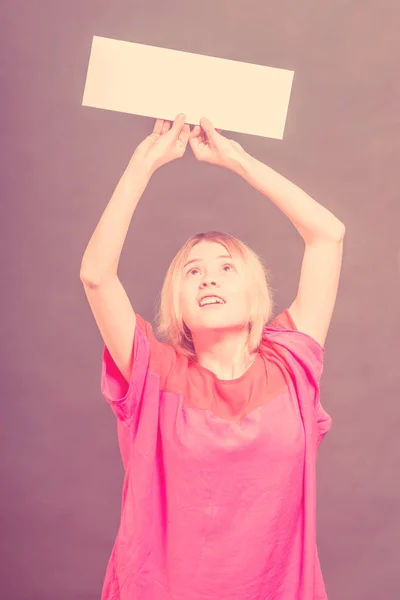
[169,322]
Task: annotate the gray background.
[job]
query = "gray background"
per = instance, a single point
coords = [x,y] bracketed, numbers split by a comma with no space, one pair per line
[60,466]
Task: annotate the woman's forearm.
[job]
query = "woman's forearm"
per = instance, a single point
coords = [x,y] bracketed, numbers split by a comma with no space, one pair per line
[103,252]
[312,220]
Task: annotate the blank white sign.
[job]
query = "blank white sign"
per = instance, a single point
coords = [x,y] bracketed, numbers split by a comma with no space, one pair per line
[161,83]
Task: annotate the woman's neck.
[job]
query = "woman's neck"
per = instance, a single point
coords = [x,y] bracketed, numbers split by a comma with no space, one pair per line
[227,355]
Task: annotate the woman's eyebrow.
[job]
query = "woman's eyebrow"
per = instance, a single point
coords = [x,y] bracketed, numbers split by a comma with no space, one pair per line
[199,259]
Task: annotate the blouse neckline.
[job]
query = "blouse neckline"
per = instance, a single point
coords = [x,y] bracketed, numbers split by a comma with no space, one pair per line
[228,381]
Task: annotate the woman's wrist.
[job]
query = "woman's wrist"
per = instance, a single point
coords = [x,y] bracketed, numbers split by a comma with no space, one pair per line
[140,169]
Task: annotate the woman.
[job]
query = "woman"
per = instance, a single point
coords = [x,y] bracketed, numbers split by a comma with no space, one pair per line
[218,424]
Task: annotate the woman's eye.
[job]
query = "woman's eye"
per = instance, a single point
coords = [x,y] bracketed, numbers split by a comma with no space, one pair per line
[196,270]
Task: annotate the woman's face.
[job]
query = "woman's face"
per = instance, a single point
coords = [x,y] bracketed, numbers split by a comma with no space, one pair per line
[210,270]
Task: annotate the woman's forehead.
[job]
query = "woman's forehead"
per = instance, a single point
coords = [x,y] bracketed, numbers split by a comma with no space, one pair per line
[207,252]
[207,249]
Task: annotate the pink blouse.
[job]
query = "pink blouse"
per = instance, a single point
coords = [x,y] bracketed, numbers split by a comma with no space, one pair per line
[219,496]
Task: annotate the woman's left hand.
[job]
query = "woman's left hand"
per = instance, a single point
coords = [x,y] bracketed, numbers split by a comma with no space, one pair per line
[210,146]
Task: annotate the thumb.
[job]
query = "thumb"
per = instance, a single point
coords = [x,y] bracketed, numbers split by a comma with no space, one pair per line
[208,127]
[178,124]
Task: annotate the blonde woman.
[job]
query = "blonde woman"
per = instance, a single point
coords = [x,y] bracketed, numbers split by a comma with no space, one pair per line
[219,422]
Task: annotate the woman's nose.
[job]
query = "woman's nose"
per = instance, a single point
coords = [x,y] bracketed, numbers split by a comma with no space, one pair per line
[209,280]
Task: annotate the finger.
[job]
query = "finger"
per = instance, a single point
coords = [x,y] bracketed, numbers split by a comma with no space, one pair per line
[158,126]
[196,143]
[219,131]
[178,123]
[208,127]
[185,134]
[196,146]
[196,131]
[166,127]
[199,132]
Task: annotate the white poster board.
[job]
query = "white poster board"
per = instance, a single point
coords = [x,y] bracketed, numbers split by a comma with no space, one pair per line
[161,83]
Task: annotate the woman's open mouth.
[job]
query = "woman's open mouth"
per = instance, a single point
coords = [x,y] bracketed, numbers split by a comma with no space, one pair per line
[211,300]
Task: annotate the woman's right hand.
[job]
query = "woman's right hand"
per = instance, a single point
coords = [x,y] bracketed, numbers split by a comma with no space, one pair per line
[164,145]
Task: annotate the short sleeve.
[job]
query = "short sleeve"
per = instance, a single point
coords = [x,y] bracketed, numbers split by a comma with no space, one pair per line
[304,352]
[324,421]
[151,361]
[311,351]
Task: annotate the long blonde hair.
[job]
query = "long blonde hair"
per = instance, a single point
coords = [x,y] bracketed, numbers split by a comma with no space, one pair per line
[169,322]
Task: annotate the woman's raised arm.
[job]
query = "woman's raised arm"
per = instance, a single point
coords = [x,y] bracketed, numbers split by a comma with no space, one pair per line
[107,298]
